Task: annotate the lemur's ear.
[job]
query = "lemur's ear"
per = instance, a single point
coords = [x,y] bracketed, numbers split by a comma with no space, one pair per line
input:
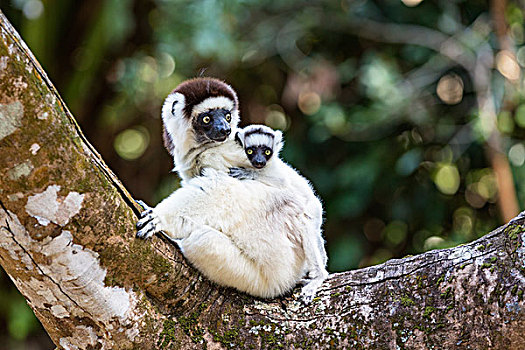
[238,138]
[173,107]
[278,141]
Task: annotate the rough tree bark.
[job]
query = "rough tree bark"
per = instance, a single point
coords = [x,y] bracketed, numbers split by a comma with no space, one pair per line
[67,241]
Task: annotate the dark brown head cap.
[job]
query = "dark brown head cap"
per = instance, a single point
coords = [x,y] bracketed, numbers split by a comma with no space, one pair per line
[198,89]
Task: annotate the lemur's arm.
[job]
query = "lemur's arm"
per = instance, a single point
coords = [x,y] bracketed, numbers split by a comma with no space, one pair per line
[242,173]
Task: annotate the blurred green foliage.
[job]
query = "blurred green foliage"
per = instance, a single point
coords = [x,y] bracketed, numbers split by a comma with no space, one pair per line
[379,101]
[19,328]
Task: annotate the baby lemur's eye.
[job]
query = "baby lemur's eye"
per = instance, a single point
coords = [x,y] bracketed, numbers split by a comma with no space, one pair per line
[228,117]
[249,151]
[267,152]
[206,119]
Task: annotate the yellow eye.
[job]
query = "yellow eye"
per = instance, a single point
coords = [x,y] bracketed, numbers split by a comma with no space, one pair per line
[267,152]
[206,120]
[228,117]
[249,151]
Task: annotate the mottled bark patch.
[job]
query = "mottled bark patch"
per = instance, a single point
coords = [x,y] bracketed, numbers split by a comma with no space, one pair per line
[10,118]
[20,170]
[48,207]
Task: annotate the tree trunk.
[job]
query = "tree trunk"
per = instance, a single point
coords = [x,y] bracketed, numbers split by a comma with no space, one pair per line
[67,240]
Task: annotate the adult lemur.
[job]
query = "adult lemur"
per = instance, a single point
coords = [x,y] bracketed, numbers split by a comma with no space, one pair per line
[250,234]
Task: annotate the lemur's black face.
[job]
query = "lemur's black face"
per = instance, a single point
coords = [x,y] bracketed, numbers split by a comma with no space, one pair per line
[215,124]
[259,155]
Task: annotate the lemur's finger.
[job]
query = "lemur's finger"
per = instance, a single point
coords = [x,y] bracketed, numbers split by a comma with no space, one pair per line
[142,222]
[146,212]
[142,204]
[307,298]
[147,231]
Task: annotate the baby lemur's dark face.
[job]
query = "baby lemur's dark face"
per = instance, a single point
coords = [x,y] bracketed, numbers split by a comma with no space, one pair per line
[259,143]
[259,155]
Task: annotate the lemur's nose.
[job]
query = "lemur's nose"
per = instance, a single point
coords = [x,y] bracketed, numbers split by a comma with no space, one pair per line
[259,163]
[224,131]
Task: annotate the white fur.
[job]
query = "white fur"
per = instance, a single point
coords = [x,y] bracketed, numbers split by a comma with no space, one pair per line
[178,127]
[212,103]
[259,140]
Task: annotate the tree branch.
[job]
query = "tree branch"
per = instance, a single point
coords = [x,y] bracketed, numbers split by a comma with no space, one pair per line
[67,241]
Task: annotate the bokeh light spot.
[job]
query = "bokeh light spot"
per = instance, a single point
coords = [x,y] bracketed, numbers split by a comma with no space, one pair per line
[450,89]
[411,3]
[447,179]
[131,143]
[276,120]
[33,9]
[507,65]
[463,222]
[433,242]
[487,187]
[473,198]
[517,154]
[520,116]
[148,69]
[167,64]
[520,56]
[505,122]
[395,233]
[335,121]
[380,256]
[309,102]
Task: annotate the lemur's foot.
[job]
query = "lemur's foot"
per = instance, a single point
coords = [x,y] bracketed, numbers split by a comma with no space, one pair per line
[149,224]
[311,284]
[309,290]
